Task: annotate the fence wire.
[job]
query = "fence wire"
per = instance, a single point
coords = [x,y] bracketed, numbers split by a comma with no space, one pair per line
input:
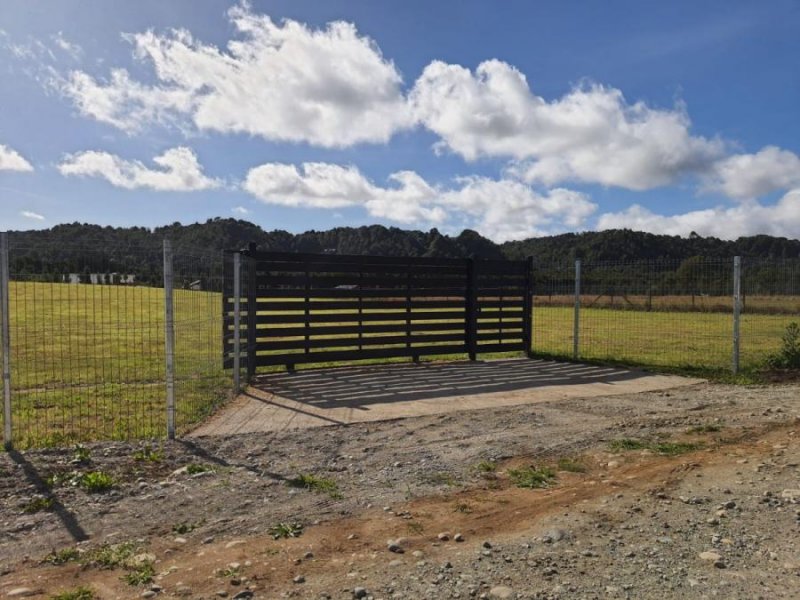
[87,342]
[666,313]
[87,329]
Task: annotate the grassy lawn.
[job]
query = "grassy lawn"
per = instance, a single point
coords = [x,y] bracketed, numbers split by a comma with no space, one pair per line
[695,340]
[88,361]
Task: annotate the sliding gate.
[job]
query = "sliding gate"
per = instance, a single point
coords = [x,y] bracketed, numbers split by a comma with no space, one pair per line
[321,308]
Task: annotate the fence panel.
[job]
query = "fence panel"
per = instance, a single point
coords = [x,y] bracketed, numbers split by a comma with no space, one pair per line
[87,337]
[770,302]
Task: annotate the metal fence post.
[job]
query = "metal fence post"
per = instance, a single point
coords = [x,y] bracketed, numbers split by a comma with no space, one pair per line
[169,338]
[5,334]
[252,298]
[237,321]
[737,309]
[576,319]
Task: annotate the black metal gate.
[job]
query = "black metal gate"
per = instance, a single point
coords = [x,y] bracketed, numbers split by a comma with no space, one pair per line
[320,308]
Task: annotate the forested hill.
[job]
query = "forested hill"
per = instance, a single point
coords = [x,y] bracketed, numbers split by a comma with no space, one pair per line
[65,244]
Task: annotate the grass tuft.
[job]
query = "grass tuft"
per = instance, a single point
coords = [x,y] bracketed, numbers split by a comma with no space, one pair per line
[486,466]
[96,482]
[664,448]
[571,465]
[195,468]
[140,574]
[61,557]
[39,505]
[286,530]
[81,593]
[149,454]
[627,444]
[308,481]
[532,477]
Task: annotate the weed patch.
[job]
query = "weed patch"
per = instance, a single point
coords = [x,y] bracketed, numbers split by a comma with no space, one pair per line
[286,530]
[571,465]
[61,557]
[325,485]
[149,454]
[532,477]
[96,482]
[195,468]
[81,593]
[486,466]
[39,505]
[664,448]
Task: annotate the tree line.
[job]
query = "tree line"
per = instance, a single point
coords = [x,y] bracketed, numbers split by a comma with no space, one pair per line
[85,248]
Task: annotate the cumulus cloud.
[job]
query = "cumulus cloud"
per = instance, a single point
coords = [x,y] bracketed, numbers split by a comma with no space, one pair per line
[240,210]
[591,134]
[748,176]
[325,185]
[29,214]
[502,209]
[11,160]
[748,218]
[330,87]
[507,210]
[177,170]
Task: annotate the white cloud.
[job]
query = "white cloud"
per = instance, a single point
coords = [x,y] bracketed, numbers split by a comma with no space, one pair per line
[748,218]
[11,160]
[28,214]
[71,48]
[591,134]
[508,210]
[329,87]
[748,176]
[178,170]
[502,209]
[240,210]
[324,185]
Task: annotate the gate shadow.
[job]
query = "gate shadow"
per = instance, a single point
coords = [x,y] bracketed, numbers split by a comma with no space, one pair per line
[356,387]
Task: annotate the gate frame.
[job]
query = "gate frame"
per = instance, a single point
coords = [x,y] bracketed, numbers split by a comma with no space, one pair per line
[472,267]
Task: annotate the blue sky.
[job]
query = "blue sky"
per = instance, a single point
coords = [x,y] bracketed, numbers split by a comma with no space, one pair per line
[516,119]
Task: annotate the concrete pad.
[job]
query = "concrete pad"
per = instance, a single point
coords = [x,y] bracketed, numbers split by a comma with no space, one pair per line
[343,395]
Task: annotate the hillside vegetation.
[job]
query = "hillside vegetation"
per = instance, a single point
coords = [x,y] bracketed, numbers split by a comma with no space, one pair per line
[87,248]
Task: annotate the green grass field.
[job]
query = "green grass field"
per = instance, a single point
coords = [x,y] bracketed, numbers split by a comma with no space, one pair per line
[88,361]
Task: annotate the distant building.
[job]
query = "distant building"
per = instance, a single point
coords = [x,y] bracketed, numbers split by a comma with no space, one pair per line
[99,278]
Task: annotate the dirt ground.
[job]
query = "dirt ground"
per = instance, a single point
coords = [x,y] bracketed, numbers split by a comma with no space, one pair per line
[687,493]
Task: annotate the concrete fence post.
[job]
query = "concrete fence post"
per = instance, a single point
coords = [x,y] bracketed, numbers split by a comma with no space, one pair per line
[737,310]
[237,322]
[169,338]
[576,320]
[5,334]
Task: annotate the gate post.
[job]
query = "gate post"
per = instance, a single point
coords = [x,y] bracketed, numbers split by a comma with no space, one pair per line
[737,309]
[471,320]
[576,319]
[169,338]
[527,309]
[251,310]
[5,334]
[237,321]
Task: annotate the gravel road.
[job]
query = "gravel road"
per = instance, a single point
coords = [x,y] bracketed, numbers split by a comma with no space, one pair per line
[691,493]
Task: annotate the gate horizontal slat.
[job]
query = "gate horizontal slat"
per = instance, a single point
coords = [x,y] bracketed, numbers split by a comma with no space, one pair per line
[311,308]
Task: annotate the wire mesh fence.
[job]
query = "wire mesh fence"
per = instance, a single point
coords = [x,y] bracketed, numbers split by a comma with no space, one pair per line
[87,329]
[665,313]
[87,341]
